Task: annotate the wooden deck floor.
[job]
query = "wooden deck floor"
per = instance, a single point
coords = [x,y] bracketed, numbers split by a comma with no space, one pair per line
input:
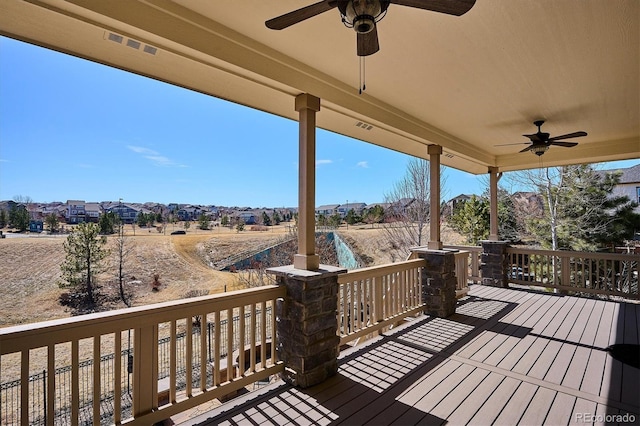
[506,357]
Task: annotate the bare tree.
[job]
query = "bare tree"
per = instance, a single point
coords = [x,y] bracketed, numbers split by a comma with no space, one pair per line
[122,249]
[408,213]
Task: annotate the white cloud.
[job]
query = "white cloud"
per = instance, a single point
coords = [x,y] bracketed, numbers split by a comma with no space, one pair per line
[363,164]
[320,162]
[154,156]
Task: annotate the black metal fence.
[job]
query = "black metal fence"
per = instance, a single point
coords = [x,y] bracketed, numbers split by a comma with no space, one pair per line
[10,391]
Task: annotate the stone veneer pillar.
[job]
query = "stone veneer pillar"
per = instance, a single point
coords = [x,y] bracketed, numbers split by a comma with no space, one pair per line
[307,325]
[494,263]
[438,282]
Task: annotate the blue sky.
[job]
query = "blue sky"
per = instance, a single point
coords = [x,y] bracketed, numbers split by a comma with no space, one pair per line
[72,129]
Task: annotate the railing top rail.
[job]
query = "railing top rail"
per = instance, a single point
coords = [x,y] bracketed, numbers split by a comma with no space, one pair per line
[20,337]
[582,254]
[466,248]
[373,271]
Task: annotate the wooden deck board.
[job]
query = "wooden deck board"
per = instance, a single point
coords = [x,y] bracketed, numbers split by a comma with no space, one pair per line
[577,369]
[517,405]
[463,413]
[496,402]
[539,407]
[561,410]
[507,357]
[630,324]
[569,322]
[592,324]
[581,322]
[594,372]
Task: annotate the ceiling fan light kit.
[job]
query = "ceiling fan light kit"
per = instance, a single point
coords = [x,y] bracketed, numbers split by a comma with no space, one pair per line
[362,15]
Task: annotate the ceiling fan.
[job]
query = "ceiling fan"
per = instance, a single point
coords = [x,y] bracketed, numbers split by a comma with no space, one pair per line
[540,141]
[363,15]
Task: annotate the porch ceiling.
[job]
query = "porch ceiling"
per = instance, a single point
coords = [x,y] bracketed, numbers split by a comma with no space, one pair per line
[467,83]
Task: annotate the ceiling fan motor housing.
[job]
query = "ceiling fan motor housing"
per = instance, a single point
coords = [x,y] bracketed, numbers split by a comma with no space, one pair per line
[362,15]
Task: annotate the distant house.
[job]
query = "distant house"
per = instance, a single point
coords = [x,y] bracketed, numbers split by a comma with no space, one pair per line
[327,210]
[629,184]
[248,218]
[76,212]
[92,212]
[357,208]
[189,213]
[401,207]
[126,212]
[454,203]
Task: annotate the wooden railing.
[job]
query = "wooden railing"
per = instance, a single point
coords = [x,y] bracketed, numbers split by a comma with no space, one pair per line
[582,272]
[467,267]
[207,378]
[370,299]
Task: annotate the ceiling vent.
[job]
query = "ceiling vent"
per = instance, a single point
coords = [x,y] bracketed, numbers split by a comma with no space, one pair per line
[364,125]
[115,37]
[446,154]
[132,43]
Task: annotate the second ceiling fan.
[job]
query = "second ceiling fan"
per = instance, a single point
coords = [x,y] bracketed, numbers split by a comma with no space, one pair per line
[363,15]
[540,141]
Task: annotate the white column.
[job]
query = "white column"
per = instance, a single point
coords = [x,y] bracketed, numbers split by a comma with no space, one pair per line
[434,152]
[307,106]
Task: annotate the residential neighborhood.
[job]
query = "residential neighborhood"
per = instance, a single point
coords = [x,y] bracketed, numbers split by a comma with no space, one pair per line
[75,211]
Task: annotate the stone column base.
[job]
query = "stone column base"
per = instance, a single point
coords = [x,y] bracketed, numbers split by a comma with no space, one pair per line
[307,325]
[438,282]
[493,263]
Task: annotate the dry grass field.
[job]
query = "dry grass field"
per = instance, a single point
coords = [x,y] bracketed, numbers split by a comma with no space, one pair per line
[30,272]
[30,267]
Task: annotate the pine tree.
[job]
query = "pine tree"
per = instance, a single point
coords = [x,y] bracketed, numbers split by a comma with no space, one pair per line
[52,223]
[471,219]
[85,250]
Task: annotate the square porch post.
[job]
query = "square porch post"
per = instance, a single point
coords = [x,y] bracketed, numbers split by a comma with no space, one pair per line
[307,105]
[306,337]
[434,151]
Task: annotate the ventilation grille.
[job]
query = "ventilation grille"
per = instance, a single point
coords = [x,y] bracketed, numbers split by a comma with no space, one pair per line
[364,125]
[446,154]
[134,44]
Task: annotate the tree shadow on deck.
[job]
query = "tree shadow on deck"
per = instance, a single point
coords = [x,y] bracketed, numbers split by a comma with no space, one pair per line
[622,373]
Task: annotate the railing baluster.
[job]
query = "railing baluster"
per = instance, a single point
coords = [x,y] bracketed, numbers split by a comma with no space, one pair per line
[96,380]
[51,383]
[242,340]
[75,383]
[216,349]
[117,377]
[189,356]
[263,334]
[252,344]
[173,364]
[24,387]
[203,352]
[230,340]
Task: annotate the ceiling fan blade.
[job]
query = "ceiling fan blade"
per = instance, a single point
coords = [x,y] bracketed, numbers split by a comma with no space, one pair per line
[527,148]
[299,15]
[450,7]
[565,144]
[534,137]
[368,43]
[568,136]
